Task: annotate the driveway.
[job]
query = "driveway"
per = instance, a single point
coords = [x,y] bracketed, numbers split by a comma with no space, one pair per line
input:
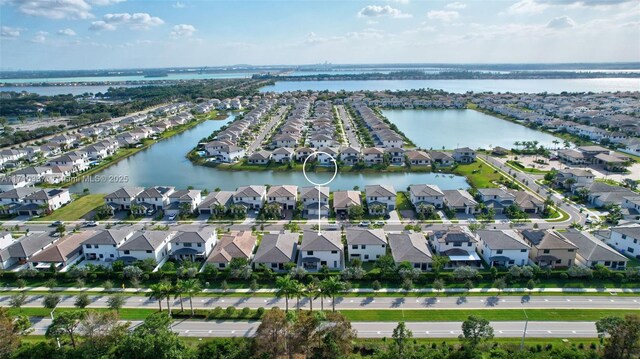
[393,216]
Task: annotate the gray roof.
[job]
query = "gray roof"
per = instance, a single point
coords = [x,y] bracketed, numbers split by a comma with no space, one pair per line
[250,191]
[591,248]
[459,198]
[20,192]
[379,190]
[425,190]
[109,236]
[365,236]
[45,194]
[631,231]
[326,241]
[547,239]
[216,198]
[277,248]
[193,236]
[409,247]
[456,235]
[502,239]
[312,192]
[143,241]
[29,245]
[344,199]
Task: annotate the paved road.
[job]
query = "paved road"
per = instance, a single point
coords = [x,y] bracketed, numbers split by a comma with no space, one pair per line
[267,129]
[191,328]
[426,302]
[348,123]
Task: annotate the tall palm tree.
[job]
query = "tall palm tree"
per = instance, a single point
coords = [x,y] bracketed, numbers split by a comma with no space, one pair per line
[156,293]
[297,290]
[191,287]
[178,290]
[312,291]
[167,290]
[285,288]
[332,286]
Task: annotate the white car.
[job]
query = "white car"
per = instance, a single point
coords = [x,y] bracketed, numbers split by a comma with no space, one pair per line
[172,217]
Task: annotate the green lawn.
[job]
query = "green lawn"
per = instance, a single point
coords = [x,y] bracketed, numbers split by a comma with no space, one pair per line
[437,315]
[76,209]
[479,175]
[403,202]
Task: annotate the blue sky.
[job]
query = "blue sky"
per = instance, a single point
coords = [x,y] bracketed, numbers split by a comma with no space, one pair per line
[88,34]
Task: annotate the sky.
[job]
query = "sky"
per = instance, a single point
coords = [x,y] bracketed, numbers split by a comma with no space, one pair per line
[109,34]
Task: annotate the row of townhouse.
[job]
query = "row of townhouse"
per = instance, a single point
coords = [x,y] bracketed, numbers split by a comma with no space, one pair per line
[228,144]
[30,201]
[589,155]
[381,132]
[141,200]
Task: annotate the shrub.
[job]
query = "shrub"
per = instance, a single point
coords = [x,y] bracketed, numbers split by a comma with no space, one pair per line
[376,285]
[230,311]
[245,312]
[260,312]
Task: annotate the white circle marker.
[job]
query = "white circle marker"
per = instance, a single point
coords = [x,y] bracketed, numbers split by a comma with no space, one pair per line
[318,185]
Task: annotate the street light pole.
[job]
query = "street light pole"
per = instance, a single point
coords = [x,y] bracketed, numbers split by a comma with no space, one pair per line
[53,310]
[524,333]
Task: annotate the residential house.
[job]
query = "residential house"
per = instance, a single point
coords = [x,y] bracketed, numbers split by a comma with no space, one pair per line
[442,159]
[238,245]
[503,248]
[411,248]
[464,155]
[282,155]
[350,156]
[315,202]
[550,249]
[460,201]
[497,198]
[626,239]
[24,248]
[251,197]
[276,250]
[62,253]
[146,244]
[184,201]
[418,158]
[216,202]
[153,199]
[570,178]
[122,199]
[43,201]
[321,249]
[367,245]
[259,158]
[193,245]
[103,245]
[423,195]
[373,156]
[381,199]
[592,251]
[285,195]
[342,200]
[459,245]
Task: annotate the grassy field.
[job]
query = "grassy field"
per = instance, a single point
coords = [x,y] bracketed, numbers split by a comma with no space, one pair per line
[76,209]
[429,315]
[403,202]
[479,175]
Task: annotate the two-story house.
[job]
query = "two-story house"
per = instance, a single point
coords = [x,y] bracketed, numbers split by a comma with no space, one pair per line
[193,245]
[381,199]
[321,249]
[366,244]
[285,195]
[459,245]
[121,199]
[626,239]
[550,249]
[103,246]
[314,201]
[426,195]
[276,250]
[250,196]
[503,248]
[146,244]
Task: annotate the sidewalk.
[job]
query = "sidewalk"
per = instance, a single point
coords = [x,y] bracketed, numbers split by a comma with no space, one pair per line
[357,290]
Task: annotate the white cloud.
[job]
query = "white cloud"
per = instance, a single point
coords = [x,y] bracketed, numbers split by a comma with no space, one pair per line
[66,32]
[41,37]
[561,22]
[529,7]
[526,7]
[400,1]
[9,32]
[138,21]
[179,5]
[100,26]
[376,11]
[104,2]
[59,9]
[183,30]
[443,15]
[456,6]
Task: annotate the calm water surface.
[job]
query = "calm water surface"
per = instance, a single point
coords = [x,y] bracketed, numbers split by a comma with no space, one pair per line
[165,164]
[462,128]
[461,86]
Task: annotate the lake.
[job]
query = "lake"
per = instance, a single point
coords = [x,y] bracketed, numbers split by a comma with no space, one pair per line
[170,76]
[61,90]
[164,163]
[461,86]
[462,128]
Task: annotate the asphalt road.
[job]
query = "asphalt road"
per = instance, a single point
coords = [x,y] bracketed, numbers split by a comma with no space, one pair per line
[191,328]
[266,130]
[348,123]
[471,302]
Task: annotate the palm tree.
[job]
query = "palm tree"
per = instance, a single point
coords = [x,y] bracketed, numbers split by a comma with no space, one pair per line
[178,290]
[312,291]
[285,287]
[191,287]
[298,290]
[156,293]
[332,286]
[167,290]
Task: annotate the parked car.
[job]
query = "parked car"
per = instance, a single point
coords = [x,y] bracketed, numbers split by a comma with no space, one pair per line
[150,212]
[380,223]
[57,223]
[92,224]
[172,217]
[364,224]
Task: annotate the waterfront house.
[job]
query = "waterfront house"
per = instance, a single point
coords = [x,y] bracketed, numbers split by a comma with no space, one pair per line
[464,155]
[321,249]
[216,202]
[426,195]
[153,198]
[381,199]
[326,156]
[232,245]
[44,201]
[460,201]
[442,159]
[569,178]
[315,202]
[103,245]
[349,156]
[550,249]
[411,248]
[592,251]
[276,250]
[342,200]
[62,253]
[282,155]
[459,245]
[259,158]
[193,245]
[418,158]
[503,248]
[395,155]
[123,198]
[77,163]
[251,197]
[497,198]
[146,244]
[626,239]
[302,153]
[367,245]
[186,200]
[285,195]
[373,156]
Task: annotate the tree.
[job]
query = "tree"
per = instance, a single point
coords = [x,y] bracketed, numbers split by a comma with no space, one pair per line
[82,300]
[153,339]
[334,338]
[132,272]
[438,285]
[11,329]
[65,324]
[438,263]
[475,330]
[401,346]
[157,292]
[17,300]
[100,330]
[386,264]
[285,288]
[312,291]
[499,284]
[271,335]
[623,340]
[355,212]
[115,302]
[332,286]
[191,287]
[51,300]
[61,229]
